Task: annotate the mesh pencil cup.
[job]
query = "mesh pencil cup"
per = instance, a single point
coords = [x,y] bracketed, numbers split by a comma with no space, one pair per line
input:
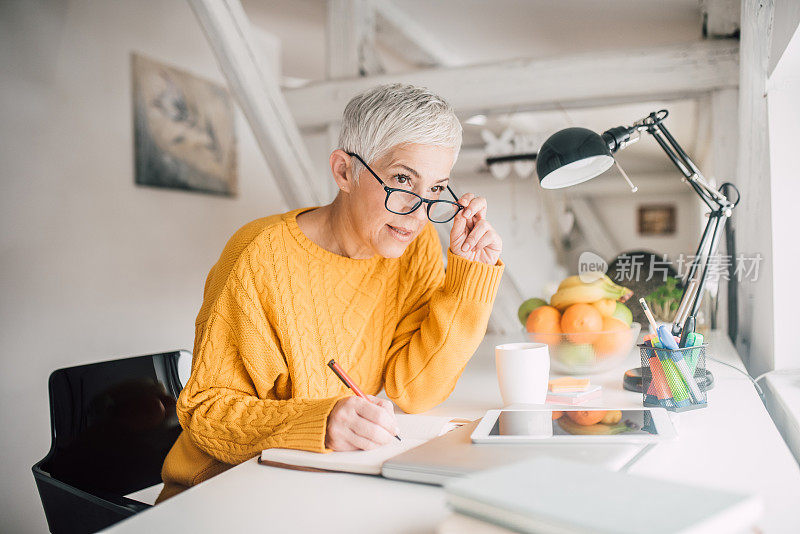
[674,379]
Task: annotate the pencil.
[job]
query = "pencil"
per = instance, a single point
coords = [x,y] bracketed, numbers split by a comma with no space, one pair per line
[338,371]
[649,315]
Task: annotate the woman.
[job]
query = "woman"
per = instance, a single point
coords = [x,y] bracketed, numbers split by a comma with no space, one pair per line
[361,281]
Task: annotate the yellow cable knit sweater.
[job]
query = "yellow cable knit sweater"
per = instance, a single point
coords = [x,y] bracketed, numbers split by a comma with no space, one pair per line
[277,307]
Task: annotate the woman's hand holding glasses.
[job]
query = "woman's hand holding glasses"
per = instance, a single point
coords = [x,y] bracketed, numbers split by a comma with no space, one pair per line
[472,237]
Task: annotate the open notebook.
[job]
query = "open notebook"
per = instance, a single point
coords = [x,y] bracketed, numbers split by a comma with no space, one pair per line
[414,430]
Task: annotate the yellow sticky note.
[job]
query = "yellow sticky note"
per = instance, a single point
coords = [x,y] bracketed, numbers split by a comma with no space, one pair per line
[568,384]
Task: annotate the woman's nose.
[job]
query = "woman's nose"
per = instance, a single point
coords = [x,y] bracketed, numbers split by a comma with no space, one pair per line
[420,214]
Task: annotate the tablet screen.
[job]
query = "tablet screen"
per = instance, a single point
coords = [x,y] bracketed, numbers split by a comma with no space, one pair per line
[544,424]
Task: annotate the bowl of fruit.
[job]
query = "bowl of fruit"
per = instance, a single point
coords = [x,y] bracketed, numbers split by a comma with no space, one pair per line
[586,325]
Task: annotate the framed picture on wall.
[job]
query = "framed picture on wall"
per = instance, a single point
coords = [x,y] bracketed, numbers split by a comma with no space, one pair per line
[657,220]
[184,131]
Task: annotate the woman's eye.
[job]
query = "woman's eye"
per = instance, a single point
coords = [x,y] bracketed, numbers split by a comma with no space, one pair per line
[401,179]
[437,188]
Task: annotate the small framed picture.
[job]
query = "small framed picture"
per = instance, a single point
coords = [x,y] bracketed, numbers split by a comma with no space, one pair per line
[657,220]
[184,130]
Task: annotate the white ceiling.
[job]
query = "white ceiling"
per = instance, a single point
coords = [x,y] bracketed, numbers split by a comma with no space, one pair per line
[479,31]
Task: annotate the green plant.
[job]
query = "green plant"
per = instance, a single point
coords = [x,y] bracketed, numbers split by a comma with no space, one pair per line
[664,300]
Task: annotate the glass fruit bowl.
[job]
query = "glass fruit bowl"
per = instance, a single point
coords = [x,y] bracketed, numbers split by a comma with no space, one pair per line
[588,352]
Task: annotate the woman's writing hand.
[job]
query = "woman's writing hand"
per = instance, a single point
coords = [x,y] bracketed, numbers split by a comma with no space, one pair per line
[355,424]
[472,237]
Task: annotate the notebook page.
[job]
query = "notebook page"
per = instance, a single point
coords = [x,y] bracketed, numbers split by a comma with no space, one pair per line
[414,430]
[425,427]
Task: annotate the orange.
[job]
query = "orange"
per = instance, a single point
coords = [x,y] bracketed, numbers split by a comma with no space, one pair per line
[606,307]
[545,323]
[614,337]
[581,322]
[586,418]
[557,414]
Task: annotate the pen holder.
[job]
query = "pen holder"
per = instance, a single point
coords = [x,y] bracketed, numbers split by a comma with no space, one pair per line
[674,379]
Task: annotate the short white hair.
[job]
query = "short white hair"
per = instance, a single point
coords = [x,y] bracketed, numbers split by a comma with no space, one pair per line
[385,116]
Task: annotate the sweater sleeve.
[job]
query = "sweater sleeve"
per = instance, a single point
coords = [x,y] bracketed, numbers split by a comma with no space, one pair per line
[442,324]
[228,407]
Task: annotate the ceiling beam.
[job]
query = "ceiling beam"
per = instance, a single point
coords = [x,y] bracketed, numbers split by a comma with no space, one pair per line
[581,80]
[350,35]
[593,229]
[752,221]
[721,18]
[404,35]
[784,24]
[350,52]
[257,92]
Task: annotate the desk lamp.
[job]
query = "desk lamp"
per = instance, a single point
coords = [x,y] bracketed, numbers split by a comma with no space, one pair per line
[575,155]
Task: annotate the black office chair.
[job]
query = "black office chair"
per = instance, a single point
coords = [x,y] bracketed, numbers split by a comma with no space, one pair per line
[112,425]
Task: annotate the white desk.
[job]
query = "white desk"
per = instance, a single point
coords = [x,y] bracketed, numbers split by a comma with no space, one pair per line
[732,444]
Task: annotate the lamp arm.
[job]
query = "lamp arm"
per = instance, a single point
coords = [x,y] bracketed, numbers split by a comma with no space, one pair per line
[719,204]
[698,270]
[683,163]
[721,208]
[689,169]
[622,136]
[654,125]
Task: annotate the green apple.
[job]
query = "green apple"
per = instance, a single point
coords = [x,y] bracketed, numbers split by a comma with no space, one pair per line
[575,355]
[527,307]
[623,313]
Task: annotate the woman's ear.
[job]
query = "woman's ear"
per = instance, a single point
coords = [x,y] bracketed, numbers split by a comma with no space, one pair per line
[341,170]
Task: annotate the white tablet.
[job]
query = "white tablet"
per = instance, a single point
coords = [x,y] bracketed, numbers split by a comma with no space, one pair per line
[573,425]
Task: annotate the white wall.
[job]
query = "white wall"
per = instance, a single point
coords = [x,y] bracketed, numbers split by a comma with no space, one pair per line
[92,266]
[620,215]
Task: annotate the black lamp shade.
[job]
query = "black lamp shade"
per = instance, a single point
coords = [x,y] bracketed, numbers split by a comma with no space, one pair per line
[572,156]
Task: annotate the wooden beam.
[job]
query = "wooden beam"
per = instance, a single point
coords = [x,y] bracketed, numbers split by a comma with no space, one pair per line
[784,25]
[403,34]
[350,39]
[584,80]
[753,217]
[721,18]
[257,91]
[597,235]
[783,108]
[350,52]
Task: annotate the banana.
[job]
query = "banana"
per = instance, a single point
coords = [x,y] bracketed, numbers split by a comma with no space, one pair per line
[612,417]
[573,291]
[626,293]
[575,280]
[570,281]
[586,293]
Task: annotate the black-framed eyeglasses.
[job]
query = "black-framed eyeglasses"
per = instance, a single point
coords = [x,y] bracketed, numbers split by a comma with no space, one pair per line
[403,201]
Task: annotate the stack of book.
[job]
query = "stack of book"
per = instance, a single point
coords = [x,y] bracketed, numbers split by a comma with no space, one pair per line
[550,495]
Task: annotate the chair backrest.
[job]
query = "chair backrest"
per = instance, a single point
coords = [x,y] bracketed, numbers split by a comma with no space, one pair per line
[112,425]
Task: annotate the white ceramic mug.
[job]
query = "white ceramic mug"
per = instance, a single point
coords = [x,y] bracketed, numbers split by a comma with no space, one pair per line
[523,370]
